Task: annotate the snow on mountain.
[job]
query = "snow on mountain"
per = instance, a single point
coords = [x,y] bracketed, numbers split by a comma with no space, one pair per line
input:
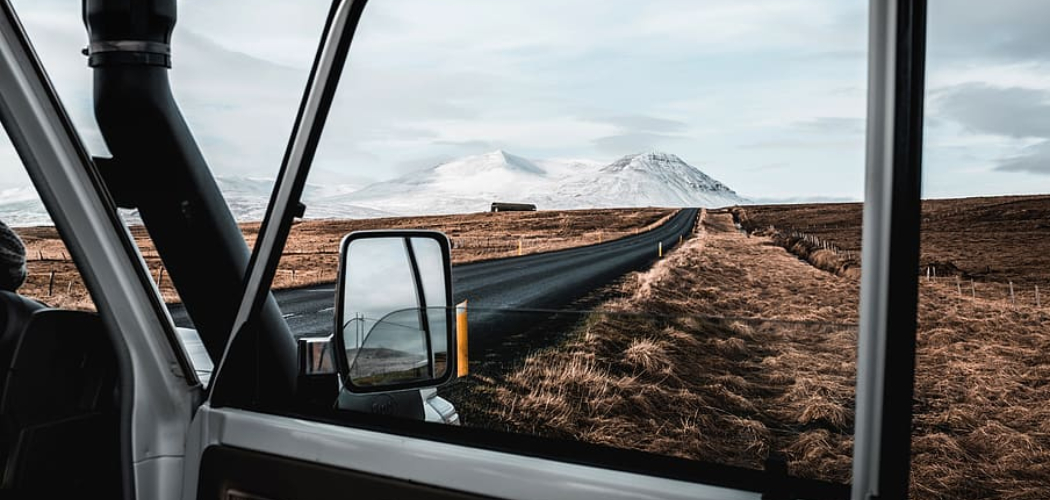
[247,197]
[22,207]
[467,184]
[472,183]
[652,179]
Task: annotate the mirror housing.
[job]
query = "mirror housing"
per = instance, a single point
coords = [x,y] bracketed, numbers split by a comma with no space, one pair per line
[318,379]
[394,317]
[315,356]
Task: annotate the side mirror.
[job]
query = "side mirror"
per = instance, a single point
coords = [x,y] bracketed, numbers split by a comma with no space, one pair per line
[394,323]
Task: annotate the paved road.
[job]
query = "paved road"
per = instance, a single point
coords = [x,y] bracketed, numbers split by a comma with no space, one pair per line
[540,281]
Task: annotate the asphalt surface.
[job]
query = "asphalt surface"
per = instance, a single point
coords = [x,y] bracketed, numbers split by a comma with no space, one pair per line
[496,289]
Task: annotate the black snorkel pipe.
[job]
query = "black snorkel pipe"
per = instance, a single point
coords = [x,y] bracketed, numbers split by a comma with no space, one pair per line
[158,169]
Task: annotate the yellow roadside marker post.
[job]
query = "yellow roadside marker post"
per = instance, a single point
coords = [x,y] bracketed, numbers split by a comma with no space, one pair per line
[519,247]
[660,249]
[462,359]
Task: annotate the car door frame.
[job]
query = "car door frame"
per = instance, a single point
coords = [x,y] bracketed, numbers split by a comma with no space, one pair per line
[159,388]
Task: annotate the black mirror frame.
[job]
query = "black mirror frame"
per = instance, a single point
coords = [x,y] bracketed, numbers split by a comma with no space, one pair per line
[340,291]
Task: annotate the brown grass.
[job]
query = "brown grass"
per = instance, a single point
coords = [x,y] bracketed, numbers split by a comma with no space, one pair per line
[312,253]
[735,391]
[687,379]
[991,240]
[981,426]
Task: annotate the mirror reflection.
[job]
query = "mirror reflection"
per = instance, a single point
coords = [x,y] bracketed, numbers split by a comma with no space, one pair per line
[394,311]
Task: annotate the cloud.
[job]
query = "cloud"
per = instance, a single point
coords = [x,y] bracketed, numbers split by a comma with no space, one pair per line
[804,144]
[637,132]
[1006,30]
[622,144]
[768,167]
[1034,159]
[476,145]
[833,125]
[816,134]
[1011,112]
[418,164]
[644,123]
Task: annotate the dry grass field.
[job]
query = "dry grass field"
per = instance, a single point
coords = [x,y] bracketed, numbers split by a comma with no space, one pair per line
[740,345]
[312,253]
[982,429]
[747,350]
[678,364]
[989,240]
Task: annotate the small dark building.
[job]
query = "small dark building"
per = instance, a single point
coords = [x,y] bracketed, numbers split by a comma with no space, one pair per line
[513,207]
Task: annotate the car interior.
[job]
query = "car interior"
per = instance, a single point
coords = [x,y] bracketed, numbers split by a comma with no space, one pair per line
[60,401]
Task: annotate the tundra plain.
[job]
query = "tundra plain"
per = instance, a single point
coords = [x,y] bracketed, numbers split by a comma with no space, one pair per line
[740,345]
[311,255]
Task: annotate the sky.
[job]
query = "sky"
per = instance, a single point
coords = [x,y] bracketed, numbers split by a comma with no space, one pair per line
[767,96]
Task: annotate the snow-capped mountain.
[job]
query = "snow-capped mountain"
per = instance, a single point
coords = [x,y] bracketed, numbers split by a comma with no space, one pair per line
[650,179]
[470,184]
[467,184]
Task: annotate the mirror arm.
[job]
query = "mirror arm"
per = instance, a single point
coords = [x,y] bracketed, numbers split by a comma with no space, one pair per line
[424,319]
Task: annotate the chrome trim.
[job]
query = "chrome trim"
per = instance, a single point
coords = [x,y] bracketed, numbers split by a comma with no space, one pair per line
[874,289]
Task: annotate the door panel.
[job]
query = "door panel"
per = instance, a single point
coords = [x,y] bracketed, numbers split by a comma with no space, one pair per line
[232,473]
[403,460]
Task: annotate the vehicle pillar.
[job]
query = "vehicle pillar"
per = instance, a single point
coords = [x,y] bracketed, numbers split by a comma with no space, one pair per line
[157,169]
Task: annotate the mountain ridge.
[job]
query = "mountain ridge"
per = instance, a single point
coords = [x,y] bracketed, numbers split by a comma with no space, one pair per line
[466,184]
[471,183]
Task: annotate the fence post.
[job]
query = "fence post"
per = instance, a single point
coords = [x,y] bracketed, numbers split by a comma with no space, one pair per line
[69,288]
[973,289]
[51,283]
[958,284]
[1013,301]
[1037,301]
[160,278]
